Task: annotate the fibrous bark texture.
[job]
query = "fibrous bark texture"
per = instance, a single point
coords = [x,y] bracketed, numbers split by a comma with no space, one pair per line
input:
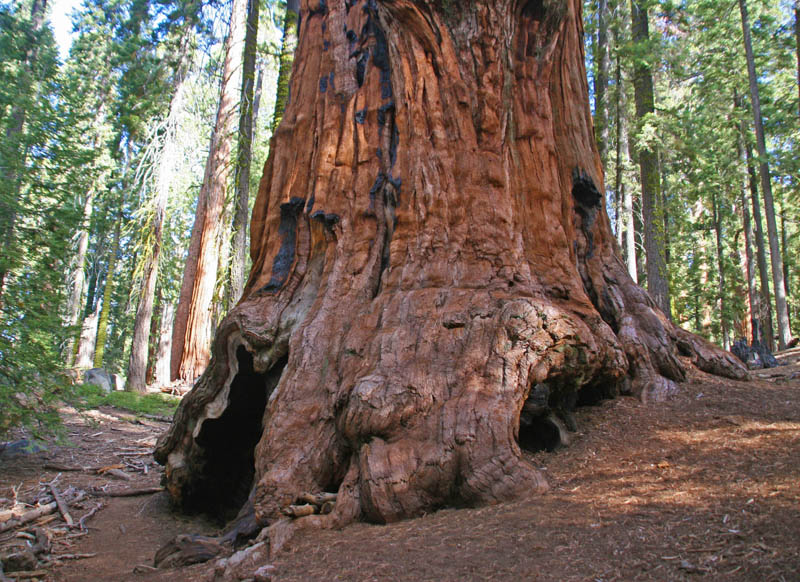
[435,282]
[191,334]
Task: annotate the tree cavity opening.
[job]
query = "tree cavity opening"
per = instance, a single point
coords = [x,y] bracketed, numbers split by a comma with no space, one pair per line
[539,433]
[539,427]
[228,442]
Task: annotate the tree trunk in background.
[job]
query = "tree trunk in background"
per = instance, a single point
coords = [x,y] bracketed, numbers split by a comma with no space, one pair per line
[761,252]
[781,309]
[167,162]
[77,275]
[602,64]
[652,208]
[14,141]
[757,323]
[288,45]
[102,324]
[434,280]
[246,120]
[163,352]
[626,236]
[152,340]
[785,247]
[86,343]
[137,364]
[723,317]
[191,336]
[797,47]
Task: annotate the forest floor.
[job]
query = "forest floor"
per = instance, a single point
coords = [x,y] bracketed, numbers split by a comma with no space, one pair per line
[705,486]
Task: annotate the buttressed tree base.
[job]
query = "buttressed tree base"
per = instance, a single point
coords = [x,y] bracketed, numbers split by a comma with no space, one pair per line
[435,283]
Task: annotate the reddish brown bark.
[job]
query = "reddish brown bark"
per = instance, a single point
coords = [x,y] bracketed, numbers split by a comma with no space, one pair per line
[434,275]
[191,334]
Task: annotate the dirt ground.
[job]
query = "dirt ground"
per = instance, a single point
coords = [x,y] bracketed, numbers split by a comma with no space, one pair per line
[705,486]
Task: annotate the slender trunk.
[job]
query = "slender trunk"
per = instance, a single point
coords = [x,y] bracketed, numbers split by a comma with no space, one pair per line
[618,94]
[781,308]
[761,253]
[754,297]
[723,317]
[652,211]
[102,324]
[91,290]
[797,47]
[784,246]
[161,374]
[152,340]
[192,331]
[258,91]
[87,342]
[246,116]
[137,363]
[288,45]
[77,275]
[602,62]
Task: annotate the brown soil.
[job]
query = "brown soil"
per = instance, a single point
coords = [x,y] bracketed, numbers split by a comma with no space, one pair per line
[706,485]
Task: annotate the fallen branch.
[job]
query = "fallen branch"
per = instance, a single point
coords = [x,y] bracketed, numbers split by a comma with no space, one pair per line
[63,508]
[119,474]
[35,513]
[73,556]
[128,492]
[82,521]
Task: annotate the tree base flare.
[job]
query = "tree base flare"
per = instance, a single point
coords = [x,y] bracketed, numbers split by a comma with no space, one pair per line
[435,284]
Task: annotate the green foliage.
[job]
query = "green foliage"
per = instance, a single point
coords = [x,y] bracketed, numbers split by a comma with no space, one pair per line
[89,396]
[697,57]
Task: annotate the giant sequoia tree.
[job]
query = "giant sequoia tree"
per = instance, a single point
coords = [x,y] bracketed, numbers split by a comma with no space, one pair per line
[435,282]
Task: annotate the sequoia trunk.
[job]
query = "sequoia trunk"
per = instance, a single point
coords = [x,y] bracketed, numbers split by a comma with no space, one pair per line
[435,283]
[191,334]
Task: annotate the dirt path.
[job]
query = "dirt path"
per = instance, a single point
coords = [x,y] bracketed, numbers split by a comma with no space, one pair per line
[704,486]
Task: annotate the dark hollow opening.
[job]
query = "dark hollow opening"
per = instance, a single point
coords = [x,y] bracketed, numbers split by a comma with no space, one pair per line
[534,9]
[229,442]
[538,433]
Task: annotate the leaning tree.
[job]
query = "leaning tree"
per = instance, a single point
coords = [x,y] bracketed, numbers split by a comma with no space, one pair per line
[435,284]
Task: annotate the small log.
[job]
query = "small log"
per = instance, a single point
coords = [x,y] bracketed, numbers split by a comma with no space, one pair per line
[128,492]
[62,467]
[12,513]
[63,508]
[119,474]
[327,507]
[28,516]
[299,510]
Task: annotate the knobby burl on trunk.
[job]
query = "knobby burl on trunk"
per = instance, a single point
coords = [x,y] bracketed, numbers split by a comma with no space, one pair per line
[434,275]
